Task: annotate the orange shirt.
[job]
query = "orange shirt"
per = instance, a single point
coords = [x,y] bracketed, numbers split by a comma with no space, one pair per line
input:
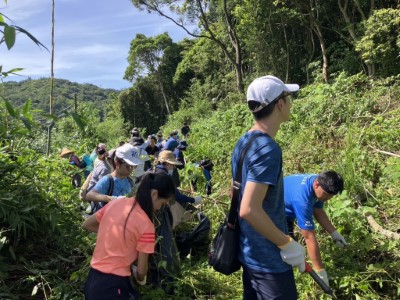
[113,253]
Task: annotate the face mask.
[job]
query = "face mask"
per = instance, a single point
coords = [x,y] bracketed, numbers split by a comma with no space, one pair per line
[170,171]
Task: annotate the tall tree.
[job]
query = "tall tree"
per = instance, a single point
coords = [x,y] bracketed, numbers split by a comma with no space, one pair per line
[146,56]
[205,14]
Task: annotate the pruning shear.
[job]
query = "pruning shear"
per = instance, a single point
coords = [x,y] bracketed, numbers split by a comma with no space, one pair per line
[317,279]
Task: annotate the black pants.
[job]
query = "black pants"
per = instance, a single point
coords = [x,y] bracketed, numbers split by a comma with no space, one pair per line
[102,286]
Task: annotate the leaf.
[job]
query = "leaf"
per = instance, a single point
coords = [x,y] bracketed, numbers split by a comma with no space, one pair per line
[78,120]
[49,116]
[11,110]
[35,290]
[27,123]
[9,36]
[35,40]
[12,71]
[27,106]
[11,250]
[2,241]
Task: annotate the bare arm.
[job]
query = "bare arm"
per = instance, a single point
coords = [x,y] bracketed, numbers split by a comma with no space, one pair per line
[251,210]
[91,224]
[322,218]
[97,197]
[313,248]
[142,265]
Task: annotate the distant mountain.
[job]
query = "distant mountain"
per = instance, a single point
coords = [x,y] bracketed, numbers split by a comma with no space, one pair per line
[64,91]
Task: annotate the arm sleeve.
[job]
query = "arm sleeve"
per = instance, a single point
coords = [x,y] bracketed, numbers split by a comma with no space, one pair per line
[304,213]
[147,239]
[102,186]
[181,198]
[265,165]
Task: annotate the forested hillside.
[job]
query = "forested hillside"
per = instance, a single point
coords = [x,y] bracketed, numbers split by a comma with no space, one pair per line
[345,57]
[38,91]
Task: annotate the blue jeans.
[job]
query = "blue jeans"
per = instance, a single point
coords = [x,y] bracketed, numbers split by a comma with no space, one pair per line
[102,286]
[268,286]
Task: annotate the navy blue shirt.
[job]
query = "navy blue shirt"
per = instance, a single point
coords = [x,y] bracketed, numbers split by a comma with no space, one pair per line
[262,164]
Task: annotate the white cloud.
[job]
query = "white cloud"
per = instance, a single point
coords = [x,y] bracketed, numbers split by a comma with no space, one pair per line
[92,38]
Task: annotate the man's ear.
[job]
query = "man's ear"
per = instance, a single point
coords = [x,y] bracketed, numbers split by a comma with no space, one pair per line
[280,104]
[315,184]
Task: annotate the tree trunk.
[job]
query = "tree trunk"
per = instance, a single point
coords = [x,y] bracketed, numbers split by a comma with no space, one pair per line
[325,61]
[343,6]
[164,96]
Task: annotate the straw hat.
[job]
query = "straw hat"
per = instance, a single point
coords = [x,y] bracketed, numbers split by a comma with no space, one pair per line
[168,157]
[65,152]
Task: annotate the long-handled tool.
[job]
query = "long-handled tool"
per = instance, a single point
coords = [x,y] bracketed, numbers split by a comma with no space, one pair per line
[317,279]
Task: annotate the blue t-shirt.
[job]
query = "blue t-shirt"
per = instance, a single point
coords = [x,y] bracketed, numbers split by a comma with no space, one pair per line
[300,199]
[122,187]
[262,164]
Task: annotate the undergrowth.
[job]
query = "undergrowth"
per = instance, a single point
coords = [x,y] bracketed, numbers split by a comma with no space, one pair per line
[351,125]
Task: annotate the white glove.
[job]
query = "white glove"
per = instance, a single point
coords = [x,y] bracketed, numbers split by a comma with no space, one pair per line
[293,254]
[134,273]
[197,200]
[338,239]
[323,275]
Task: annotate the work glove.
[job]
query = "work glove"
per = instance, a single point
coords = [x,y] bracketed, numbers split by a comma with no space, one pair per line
[134,273]
[197,200]
[323,275]
[338,239]
[293,254]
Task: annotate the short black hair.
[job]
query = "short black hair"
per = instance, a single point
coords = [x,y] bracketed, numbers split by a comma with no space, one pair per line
[331,182]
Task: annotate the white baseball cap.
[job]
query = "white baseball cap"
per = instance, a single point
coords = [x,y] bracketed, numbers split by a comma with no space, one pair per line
[266,89]
[129,154]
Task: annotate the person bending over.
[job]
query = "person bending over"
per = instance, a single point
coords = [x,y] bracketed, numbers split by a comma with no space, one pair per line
[305,195]
[125,238]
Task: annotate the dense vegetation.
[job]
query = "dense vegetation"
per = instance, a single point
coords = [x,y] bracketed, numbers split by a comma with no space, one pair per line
[346,117]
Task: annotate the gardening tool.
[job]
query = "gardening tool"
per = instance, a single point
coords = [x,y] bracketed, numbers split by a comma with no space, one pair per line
[317,279]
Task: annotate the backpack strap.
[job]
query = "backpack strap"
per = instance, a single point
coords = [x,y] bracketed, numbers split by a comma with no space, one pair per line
[233,210]
[110,185]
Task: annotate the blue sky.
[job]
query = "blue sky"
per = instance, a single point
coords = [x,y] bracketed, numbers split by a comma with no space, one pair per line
[92,39]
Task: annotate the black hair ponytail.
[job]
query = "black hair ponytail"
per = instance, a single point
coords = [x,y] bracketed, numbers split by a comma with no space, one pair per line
[164,185]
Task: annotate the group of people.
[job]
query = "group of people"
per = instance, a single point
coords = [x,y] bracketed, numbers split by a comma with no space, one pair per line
[268,207]
[116,175]
[270,203]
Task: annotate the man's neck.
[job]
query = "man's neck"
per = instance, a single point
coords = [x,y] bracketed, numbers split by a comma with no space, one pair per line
[267,126]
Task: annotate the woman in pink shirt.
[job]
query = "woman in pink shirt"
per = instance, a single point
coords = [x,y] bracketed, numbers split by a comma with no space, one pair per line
[125,235]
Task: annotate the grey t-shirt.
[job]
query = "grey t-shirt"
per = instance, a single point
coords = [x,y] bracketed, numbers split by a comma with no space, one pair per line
[102,169]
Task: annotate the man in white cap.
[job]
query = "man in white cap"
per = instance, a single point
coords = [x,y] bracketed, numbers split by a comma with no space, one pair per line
[267,252]
[118,183]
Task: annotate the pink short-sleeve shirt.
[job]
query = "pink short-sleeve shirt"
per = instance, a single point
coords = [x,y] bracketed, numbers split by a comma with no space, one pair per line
[117,245]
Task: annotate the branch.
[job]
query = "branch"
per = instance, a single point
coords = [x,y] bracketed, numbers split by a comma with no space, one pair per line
[378,228]
[385,152]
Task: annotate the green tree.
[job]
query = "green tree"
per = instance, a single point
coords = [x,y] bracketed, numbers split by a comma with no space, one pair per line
[380,44]
[216,20]
[146,56]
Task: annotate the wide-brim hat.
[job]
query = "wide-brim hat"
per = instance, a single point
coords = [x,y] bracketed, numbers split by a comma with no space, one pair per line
[65,152]
[168,157]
